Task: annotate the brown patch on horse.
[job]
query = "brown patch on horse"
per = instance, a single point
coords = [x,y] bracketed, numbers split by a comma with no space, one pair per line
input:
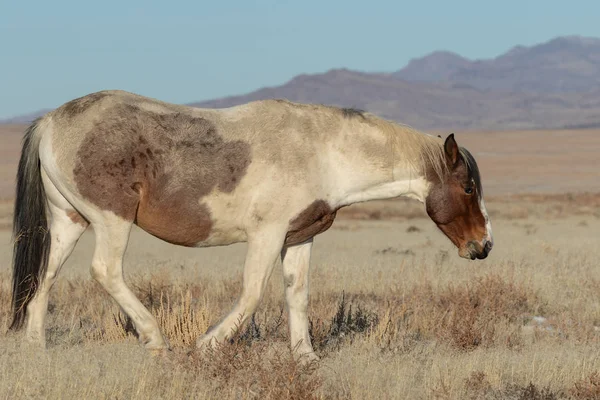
[454,211]
[81,104]
[315,219]
[155,168]
[77,218]
[177,223]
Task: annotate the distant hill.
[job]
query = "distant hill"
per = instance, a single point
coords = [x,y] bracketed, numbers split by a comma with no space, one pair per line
[433,105]
[551,85]
[564,64]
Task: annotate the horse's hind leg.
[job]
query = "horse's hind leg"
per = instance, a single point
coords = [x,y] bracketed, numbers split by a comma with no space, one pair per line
[66,227]
[112,235]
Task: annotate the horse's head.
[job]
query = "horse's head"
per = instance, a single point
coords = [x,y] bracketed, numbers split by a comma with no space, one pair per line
[455,203]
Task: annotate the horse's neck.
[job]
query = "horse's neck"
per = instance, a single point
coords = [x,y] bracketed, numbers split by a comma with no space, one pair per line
[381,179]
[415,187]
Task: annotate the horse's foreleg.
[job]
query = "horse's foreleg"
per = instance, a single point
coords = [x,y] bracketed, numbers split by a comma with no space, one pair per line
[264,248]
[112,235]
[296,265]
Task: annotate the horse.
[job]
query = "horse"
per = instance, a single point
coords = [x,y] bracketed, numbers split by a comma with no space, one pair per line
[271,173]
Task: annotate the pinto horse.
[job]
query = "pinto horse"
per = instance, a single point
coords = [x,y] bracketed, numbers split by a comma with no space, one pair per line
[271,173]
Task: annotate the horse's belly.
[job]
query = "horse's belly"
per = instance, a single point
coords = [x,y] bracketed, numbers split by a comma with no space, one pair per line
[176,220]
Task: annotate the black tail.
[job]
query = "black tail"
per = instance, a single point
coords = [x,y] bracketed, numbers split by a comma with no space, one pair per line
[30,228]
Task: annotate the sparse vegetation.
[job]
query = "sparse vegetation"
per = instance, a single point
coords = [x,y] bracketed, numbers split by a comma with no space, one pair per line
[587,388]
[394,314]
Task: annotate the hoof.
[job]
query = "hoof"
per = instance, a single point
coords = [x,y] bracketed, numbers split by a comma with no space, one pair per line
[35,340]
[154,344]
[206,342]
[307,357]
[164,352]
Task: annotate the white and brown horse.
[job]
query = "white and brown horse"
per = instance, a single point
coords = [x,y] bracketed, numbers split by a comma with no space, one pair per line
[271,173]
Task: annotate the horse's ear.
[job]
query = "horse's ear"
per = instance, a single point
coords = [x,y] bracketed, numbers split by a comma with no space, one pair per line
[451,149]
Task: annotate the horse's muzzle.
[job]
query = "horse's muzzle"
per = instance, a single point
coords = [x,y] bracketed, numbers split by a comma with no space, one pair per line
[476,250]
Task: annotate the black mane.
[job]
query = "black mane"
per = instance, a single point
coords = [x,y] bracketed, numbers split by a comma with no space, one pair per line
[353,112]
[472,169]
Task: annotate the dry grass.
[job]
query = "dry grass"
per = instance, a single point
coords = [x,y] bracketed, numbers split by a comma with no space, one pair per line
[394,314]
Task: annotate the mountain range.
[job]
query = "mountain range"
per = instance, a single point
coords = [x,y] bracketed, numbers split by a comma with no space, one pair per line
[546,86]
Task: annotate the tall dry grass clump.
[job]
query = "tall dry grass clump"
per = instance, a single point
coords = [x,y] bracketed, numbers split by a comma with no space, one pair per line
[177,307]
[256,370]
[587,388]
[484,311]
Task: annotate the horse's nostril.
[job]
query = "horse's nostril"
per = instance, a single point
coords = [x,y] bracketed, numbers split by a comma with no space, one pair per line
[488,246]
[483,254]
[481,250]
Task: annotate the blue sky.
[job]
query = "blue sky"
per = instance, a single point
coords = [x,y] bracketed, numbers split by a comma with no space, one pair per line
[183,51]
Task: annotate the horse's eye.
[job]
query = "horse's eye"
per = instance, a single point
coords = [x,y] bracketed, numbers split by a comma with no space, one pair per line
[469,190]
